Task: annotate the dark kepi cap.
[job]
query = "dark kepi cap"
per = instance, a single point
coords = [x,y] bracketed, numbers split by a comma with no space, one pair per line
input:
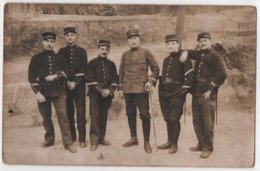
[48,35]
[104,43]
[203,35]
[69,29]
[171,37]
[132,32]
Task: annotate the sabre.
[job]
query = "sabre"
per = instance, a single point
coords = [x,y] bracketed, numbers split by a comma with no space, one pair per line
[151,104]
[216,109]
[185,111]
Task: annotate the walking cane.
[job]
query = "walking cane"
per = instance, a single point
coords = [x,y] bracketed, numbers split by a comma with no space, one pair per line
[151,104]
[185,111]
[216,109]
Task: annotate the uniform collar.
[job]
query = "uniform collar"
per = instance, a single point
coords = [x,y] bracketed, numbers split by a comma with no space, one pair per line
[49,52]
[101,58]
[72,45]
[205,50]
[173,54]
[134,49]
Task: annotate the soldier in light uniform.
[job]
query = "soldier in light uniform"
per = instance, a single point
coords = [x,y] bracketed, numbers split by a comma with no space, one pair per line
[102,79]
[47,75]
[76,58]
[134,85]
[210,73]
[176,80]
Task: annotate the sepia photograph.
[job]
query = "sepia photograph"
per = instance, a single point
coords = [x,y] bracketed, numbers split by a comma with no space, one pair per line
[129,85]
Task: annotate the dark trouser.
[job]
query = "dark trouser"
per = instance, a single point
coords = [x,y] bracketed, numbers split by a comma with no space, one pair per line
[140,101]
[59,103]
[98,112]
[78,97]
[203,121]
[172,109]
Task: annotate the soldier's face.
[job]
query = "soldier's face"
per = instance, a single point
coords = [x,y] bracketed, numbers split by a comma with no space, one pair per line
[205,43]
[70,37]
[134,41]
[103,51]
[172,46]
[48,44]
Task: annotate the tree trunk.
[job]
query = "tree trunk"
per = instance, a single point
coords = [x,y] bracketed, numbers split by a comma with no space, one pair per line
[180,22]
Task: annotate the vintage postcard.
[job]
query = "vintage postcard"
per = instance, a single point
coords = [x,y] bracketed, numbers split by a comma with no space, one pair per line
[129,85]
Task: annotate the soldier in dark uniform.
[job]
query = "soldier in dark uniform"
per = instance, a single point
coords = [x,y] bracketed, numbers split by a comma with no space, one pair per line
[134,85]
[102,80]
[210,73]
[47,74]
[176,80]
[76,58]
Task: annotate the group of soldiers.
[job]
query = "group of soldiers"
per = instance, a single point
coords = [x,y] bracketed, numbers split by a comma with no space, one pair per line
[61,78]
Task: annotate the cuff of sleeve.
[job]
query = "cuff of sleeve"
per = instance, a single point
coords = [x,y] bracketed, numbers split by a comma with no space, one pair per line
[153,81]
[92,83]
[35,87]
[186,86]
[120,87]
[61,74]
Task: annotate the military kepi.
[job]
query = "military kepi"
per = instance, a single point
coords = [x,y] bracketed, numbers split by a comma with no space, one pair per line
[132,32]
[171,37]
[104,43]
[203,35]
[48,35]
[69,30]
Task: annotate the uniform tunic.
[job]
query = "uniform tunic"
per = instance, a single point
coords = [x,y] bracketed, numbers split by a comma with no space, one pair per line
[101,74]
[41,65]
[76,58]
[210,73]
[133,71]
[133,75]
[175,76]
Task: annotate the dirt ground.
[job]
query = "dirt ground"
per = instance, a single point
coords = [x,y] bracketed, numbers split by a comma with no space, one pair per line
[233,143]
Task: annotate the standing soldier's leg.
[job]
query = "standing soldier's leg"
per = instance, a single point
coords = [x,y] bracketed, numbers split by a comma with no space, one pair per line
[61,111]
[95,104]
[45,110]
[142,102]
[208,109]
[80,103]
[71,111]
[176,110]
[131,112]
[103,120]
[164,104]
[198,123]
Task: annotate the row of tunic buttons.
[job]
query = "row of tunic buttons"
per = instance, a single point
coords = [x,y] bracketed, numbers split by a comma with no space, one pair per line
[50,65]
[201,62]
[103,68]
[169,66]
[71,60]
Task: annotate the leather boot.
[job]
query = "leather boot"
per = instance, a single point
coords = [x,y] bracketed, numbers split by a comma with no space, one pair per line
[132,126]
[147,147]
[173,149]
[146,133]
[165,145]
[168,143]
[131,142]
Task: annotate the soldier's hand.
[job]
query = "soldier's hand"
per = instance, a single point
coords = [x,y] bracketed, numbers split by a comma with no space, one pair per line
[51,77]
[121,94]
[72,85]
[148,86]
[184,56]
[105,92]
[40,97]
[207,95]
[183,91]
